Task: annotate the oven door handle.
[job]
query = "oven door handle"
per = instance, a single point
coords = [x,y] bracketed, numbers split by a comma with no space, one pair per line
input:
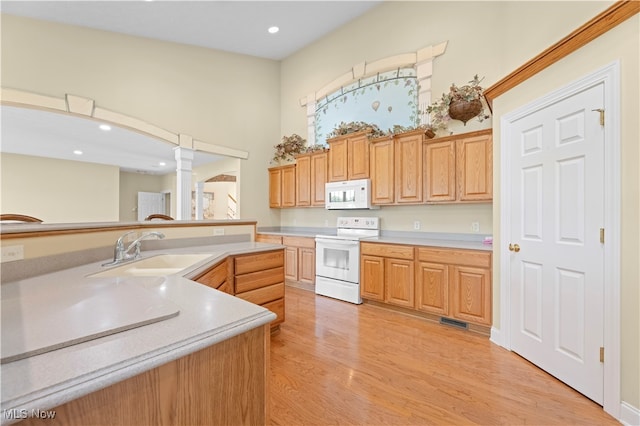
[338,242]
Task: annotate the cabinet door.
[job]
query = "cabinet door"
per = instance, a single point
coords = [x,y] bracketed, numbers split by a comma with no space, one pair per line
[474,166]
[358,157]
[337,160]
[471,294]
[432,288]
[275,187]
[372,277]
[307,265]
[382,172]
[291,263]
[303,181]
[318,178]
[408,169]
[440,173]
[289,186]
[399,282]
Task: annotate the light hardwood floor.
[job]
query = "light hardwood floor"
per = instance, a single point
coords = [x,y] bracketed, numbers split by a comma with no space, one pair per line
[338,363]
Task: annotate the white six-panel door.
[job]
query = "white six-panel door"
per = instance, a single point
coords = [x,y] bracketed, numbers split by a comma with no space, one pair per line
[557,258]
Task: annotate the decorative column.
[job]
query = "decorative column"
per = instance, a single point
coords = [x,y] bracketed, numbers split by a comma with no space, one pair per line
[184,160]
[311,120]
[199,200]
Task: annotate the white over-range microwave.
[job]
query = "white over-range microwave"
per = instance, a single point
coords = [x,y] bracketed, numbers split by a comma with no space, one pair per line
[348,195]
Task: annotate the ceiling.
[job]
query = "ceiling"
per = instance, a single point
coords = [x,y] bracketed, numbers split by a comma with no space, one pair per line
[234,26]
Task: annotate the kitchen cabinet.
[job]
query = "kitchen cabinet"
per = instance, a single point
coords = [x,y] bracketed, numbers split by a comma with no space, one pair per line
[319,163]
[300,259]
[216,277]
[282,186]
[444,282]
[267,238]
[259,278]
[387,273]
[348,157]
[396,169]
[455,283]
[459,168]
[311,175]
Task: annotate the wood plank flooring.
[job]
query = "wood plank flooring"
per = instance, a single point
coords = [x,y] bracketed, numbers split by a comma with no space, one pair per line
[338,363]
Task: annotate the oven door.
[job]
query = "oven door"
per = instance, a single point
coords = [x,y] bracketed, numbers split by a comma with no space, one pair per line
[338,259]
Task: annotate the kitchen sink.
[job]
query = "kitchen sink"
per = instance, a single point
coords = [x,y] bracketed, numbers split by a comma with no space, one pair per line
[155,266]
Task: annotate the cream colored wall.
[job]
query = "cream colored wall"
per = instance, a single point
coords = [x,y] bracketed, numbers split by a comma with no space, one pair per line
[486,39]
[621,43]
[130,185]
[223,98]
[59,191]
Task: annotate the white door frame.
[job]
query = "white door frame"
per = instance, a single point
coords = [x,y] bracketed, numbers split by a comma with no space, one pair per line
[610,77]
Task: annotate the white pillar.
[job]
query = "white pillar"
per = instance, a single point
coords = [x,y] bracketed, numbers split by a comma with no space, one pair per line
[184,159]
[311,121]
[199,200]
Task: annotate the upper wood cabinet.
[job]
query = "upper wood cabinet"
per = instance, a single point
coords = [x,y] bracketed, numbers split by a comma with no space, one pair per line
[459,168]
[396,169]
[349,157]
[282,186]
[319,162]
[303,180]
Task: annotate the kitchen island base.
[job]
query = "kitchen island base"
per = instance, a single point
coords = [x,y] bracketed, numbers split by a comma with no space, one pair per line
[225,383]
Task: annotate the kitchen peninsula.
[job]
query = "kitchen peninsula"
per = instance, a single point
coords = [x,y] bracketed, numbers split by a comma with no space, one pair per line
[207,365]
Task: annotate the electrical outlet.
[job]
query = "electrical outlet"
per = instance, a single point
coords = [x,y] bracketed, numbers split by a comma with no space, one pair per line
[475,226]
[218,231]
[416,225]
[10,253]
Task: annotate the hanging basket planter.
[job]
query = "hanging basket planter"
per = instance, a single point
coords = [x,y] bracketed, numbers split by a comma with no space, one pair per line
[465,110]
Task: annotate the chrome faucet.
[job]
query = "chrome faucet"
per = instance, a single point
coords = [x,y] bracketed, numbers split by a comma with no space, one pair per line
[122,255]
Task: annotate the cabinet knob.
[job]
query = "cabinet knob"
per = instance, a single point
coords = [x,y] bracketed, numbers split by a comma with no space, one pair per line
[514,247]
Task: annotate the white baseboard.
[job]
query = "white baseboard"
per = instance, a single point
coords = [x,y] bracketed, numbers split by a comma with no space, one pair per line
[496,337]
[629,415]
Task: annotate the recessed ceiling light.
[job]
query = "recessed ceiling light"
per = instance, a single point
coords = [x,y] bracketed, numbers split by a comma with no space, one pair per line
[162,163]
[273,30]
[105,127]
[77,152]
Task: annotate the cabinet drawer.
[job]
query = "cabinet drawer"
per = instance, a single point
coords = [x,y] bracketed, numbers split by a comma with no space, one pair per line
[259,262]
[277,307]
[215,276]
[299,242]
[263,295]
[259,279]
[455,257]
[387,250]
[266,238]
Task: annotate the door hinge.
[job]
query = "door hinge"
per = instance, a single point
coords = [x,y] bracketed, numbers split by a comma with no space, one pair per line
[601,111]
[602,235]
[601,354]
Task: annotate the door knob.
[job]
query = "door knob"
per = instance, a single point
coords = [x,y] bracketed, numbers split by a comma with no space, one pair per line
[514,247]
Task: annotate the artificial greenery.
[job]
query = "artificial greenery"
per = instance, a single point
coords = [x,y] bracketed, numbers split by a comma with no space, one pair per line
[439,110]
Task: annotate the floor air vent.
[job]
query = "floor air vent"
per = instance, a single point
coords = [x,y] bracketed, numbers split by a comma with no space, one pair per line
[454,323]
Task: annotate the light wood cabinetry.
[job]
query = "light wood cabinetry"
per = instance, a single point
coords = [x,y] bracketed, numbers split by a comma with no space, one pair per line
[387,273]
[319,162]
[224,384]
[459,168]
[300,259]
[303,180]
[282,186]
[216,277]
[348,157]
[382,167]
[444,282]
[259,278]
[455,283]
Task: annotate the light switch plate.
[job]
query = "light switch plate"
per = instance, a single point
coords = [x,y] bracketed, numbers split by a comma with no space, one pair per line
[11,253]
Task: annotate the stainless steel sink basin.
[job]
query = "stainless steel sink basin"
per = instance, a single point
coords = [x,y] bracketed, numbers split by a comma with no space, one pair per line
[156,266]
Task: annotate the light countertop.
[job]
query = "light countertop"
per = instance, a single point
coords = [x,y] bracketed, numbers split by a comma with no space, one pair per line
[206,317]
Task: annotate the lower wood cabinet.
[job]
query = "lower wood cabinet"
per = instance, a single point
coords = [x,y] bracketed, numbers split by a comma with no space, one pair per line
[300,259]
[387,273]
[256,277]
[445,282]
